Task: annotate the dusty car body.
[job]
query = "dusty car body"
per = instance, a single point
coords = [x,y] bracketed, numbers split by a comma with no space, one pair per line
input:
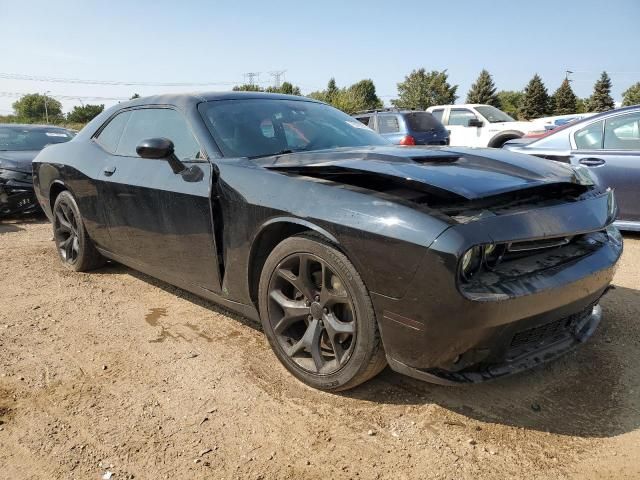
[19,144]
[455,265]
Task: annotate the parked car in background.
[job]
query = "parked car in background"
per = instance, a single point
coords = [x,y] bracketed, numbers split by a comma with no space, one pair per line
[473,125]
[405,127]
[546,124]
[608,144]
[19,144]
[453,265]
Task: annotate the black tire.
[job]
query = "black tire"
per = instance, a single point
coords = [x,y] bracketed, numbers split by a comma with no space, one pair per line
[344,348]
[74,247]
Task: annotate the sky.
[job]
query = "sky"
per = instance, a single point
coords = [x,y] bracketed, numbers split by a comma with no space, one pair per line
[217,42]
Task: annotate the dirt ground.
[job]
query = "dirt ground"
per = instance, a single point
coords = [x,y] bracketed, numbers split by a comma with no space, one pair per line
[116,372]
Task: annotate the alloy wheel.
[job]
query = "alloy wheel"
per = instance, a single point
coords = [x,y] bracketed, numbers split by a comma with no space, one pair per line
[66,233]
[311,314]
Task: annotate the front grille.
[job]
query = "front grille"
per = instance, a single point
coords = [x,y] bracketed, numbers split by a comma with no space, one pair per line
[549,332]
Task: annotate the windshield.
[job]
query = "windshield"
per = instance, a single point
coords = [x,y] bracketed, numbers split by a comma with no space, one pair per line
[262,127]
[493,115]
[26,138]
[423,122]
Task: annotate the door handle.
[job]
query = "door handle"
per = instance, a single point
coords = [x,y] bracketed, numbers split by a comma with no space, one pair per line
[108,171]
[591,162]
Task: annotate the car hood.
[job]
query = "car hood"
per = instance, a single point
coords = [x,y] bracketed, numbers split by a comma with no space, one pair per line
[19,161]
[466,172]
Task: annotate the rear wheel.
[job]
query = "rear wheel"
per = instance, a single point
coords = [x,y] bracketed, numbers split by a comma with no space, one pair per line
[75,248]
[317,315]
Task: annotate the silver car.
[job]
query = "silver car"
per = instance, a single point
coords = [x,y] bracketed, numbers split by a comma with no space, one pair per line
[608,145]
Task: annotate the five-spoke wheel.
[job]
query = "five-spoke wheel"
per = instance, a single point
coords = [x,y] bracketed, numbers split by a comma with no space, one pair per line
[317,315]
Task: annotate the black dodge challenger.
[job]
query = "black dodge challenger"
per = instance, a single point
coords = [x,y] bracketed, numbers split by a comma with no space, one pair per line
[452,265]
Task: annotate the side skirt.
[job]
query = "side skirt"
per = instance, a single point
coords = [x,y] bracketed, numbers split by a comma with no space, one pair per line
[248,311]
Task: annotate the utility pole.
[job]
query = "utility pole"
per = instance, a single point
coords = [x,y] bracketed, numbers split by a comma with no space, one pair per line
[277,74]
[46,109]
[250,76]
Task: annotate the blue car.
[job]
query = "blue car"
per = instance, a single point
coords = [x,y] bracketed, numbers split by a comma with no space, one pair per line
[406,127]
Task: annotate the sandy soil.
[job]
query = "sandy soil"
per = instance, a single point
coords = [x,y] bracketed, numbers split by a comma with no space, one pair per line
[116,372]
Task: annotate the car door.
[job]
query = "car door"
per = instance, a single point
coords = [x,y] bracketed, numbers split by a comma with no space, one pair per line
[158,219]
[610,148]
[461,134]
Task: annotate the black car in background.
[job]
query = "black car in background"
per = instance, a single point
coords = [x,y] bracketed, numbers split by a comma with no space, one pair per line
[453,265]
[608,144]
[405,127]
[19,144]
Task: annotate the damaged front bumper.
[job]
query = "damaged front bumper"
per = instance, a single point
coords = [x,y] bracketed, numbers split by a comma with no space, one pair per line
[16,193]
[444,332]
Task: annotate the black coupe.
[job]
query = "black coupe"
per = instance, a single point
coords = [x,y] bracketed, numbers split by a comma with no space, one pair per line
[19,144]
[451,265]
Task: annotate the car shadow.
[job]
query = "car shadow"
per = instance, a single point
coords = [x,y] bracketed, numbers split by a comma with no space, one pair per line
[593,391]
[13,223]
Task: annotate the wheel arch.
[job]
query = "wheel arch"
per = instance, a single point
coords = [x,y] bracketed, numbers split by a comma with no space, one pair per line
[500,138]
[270,234]
[56,188]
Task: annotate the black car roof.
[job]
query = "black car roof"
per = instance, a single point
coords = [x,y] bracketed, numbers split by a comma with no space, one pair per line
[198,97]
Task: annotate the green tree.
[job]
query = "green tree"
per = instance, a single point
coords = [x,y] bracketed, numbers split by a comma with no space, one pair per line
[484,90]
[359,96]
[248,87]
[84,114]
[510,101]
[422,90]
[535,101]
[582,105]
[286,88]
[632,95]
[134,96]
[564,100]
[601,99]
[34,108]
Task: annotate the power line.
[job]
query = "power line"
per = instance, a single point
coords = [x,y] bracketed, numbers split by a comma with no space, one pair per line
[35,78]
[60,97]
[250,76]
[277,74]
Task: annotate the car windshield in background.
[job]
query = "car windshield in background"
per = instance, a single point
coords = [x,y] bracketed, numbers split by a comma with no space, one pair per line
[26,138]
[422,121]
[263,127]
[493,115]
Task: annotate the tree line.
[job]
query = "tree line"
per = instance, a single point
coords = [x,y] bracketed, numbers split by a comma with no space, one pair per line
[419,90]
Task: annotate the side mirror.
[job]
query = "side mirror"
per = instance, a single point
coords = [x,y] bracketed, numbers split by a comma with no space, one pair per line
[160,149]
[474,122]
[155,148]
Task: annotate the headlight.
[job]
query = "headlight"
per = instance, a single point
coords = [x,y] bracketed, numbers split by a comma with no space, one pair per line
[583,175]
[614,235]
[470,263]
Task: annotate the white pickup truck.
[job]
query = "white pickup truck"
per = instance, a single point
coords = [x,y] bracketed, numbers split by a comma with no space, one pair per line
[473,125]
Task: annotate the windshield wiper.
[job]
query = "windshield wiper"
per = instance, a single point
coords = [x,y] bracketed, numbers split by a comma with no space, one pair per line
[281,152]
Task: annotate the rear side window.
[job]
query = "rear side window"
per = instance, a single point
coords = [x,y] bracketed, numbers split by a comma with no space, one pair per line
[110,135]
[158,122]
[422,122]
[364,120]
[437,113]
[590,137]
[388,124]
[623,132]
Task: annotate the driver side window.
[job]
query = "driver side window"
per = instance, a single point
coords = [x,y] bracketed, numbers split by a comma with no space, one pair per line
[590,137]
[148,123]
[460,116]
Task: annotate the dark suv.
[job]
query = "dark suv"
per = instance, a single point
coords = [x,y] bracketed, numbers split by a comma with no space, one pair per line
[406,127]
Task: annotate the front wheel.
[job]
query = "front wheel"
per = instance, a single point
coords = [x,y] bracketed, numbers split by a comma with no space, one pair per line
[317,315]
[74,246]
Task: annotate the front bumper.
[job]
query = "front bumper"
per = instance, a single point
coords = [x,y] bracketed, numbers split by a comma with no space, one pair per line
[441,333]
[16,193]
